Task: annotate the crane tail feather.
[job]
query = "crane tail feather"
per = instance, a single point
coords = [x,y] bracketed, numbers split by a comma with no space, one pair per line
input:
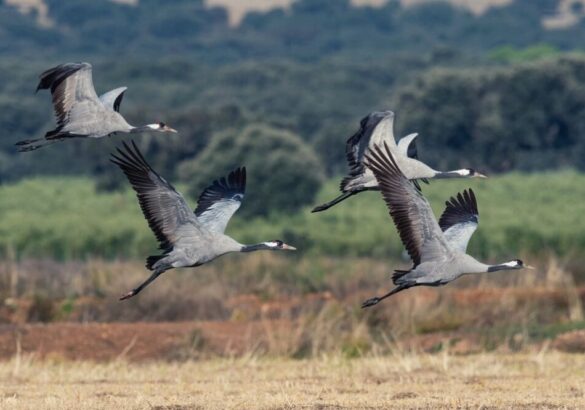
[152,260]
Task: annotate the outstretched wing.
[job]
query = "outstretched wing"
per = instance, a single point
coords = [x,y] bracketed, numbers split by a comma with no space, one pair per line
[70,84]
[113,98]
[374,129]
[407,146]
[460,219]
[219,201]
[165,209]
[410,211]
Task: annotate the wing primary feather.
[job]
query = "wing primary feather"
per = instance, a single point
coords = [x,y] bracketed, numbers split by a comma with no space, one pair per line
[397,192]
[459,209]
[163,207]
[233,187]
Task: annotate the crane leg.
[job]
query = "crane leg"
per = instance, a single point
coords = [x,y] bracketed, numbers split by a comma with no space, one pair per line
[337,200]
[375,300]
[144,284]
[31,145]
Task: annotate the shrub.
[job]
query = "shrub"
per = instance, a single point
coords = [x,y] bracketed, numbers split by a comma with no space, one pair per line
[283,172]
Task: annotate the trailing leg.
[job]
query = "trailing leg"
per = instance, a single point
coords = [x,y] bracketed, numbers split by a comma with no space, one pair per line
[375,300]
[144,284]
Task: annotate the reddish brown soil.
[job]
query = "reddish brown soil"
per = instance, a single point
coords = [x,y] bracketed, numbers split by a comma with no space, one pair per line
[256,326]
[132,341]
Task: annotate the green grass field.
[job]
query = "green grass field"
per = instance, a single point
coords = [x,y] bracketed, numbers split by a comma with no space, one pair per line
[520,214]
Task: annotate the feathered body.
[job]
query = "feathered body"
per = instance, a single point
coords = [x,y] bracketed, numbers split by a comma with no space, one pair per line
[375,129]
[186,238]
[79,112]
[437,249]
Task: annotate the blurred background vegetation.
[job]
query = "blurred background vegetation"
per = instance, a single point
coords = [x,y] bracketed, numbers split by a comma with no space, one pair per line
[502,91]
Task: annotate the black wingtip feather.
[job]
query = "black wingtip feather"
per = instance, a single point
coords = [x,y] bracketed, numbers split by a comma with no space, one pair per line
[459,209]
[357,144]
[144,181]
[233,187]
[118,101]
[51,78]
[394,187]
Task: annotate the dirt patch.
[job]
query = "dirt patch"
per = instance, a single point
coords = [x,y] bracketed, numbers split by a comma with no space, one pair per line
[132,341]
[571,342]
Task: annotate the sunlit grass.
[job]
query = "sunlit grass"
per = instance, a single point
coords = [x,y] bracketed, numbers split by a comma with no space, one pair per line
[404,380]
[520,214]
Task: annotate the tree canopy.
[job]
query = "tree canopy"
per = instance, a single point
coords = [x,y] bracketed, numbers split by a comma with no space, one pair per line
[283,172]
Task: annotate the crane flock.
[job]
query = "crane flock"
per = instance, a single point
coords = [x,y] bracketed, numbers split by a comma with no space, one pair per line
[190,238]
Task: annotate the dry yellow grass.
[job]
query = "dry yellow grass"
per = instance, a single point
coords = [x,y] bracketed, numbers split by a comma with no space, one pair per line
[539,380]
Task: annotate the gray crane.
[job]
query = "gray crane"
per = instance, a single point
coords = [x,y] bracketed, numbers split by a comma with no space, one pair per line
[437,250]
[79,111]
[375,128]
[187,238]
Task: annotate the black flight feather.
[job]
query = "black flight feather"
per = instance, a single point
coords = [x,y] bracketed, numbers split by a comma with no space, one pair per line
[233,188]
[459,209]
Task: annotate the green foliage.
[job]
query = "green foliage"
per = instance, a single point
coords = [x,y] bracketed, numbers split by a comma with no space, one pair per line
[520,215]
[527,117]
[309,31]
[283,173]
[511,54]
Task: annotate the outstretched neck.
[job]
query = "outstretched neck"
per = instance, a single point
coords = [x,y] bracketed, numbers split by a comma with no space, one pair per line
[143,128]
[458,173]
[502,266]
[255,247]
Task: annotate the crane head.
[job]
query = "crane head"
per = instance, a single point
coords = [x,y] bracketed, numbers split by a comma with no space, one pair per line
[517,264]
[279,245]
[473,173]
[161,127]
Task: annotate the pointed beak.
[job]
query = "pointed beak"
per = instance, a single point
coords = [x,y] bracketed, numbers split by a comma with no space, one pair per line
[288,247]
[529,267]
[169,129]
[480,175]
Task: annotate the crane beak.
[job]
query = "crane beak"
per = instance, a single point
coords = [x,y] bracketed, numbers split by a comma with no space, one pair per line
[169,129]
[480,175]
[288,247]
[529,267]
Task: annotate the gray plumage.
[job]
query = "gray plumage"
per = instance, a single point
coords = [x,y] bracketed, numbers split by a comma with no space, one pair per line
[79,112]
[186,238]
[378,128]
[437,250]
[113,98]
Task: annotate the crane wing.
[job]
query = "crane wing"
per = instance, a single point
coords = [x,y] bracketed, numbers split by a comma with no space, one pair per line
[418,229]
[113,98]
[165,209]
[375,128]
[407,146]
[460,219]
[219,201]
[70,84]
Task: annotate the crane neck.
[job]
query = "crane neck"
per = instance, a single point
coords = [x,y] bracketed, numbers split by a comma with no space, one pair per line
[255,247]
[458,173]
[142,128]
[512,265]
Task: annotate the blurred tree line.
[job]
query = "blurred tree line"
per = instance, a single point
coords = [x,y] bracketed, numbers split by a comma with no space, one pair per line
[281,92]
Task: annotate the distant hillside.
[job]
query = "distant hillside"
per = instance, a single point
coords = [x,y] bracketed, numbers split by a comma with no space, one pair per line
[567,14]
[238,8]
